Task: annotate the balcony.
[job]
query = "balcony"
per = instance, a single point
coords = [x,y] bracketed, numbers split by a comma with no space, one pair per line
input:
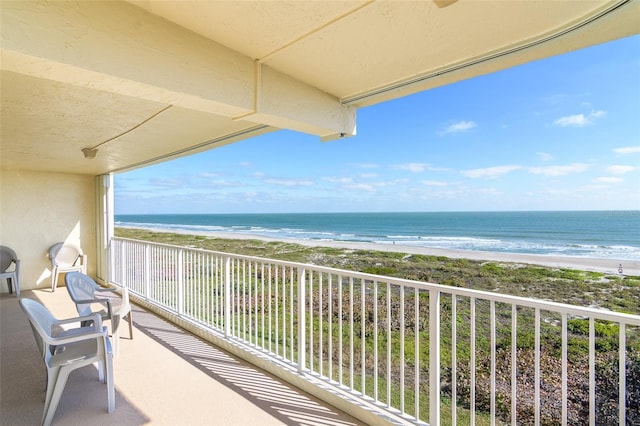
[357,341]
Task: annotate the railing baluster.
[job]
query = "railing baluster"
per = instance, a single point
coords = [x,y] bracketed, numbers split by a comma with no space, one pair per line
[416,344]
[321,324]
[434,358]
[564,373]
[473,360]
[277,304]
[622,375]
[330,326]
[310,345]
[340,329]
[402,332]
[492,321]
[536,403]
[514,363]
[363,356]
[262,304]
[271,301]
[219,297]
[291,314]
[249,297]
[147,271]
[388,344]
[180,283]
[351,307]
[302,309]
[375,341]
[592,372]
[227,296]
[242,292]
[454,359]
[285,299]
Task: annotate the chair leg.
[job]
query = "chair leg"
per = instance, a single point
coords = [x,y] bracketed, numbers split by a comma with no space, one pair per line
[58,388]
[54,279]
[130,325]
[111,397]
[101,368]
[52,379]
[115,333]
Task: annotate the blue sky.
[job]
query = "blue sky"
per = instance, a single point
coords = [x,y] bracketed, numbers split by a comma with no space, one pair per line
[558,134]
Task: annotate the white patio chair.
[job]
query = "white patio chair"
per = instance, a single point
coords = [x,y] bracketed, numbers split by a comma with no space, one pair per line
[66,257]
[66,350]
[86,294]
[7,257]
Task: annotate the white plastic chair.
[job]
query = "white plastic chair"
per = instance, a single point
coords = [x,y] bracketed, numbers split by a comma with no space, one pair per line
[7,257]
[85,293]
[66,350]
[66,257]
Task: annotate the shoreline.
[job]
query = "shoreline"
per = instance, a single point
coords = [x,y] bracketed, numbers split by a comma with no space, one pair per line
[607,266]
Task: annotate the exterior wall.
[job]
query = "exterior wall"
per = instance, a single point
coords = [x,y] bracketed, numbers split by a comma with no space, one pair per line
[39,209]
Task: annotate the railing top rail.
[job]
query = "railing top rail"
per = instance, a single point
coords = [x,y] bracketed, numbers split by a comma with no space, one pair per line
[628,319]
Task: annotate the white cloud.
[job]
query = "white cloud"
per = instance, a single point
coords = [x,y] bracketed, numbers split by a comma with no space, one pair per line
[619,169]
[490,172]
[459,127]
[579,120]
[608,179]
[412,167]
[559,170]
[393,182]
[361,187]
[543,156]
[627,150]
[343,180]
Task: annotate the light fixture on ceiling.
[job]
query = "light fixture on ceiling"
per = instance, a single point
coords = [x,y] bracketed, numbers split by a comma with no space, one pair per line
[90,153]
[444,3]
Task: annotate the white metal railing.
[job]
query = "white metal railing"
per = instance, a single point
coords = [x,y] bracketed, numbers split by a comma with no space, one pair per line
[498,358]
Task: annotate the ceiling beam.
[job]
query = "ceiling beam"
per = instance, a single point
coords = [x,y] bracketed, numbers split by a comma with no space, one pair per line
[119,48]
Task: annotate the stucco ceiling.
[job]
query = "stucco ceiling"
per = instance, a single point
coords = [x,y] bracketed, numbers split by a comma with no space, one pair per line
[144,81]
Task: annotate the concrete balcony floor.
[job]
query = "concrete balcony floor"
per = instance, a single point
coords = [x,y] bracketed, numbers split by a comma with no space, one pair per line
[163,376]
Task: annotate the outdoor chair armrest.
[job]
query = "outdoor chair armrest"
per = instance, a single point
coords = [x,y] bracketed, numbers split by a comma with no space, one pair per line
[91,333]
[106,302]
[104,289]
[92,317]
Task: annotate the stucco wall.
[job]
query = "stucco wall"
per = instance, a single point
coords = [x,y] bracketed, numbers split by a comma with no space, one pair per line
[38,210]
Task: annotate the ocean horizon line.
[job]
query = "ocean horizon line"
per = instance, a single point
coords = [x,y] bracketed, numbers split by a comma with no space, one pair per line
[383,212]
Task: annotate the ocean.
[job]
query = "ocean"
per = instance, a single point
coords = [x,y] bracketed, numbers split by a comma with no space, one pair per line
[595,234]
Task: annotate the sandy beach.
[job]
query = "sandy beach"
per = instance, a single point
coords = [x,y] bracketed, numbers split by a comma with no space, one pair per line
[607,266]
